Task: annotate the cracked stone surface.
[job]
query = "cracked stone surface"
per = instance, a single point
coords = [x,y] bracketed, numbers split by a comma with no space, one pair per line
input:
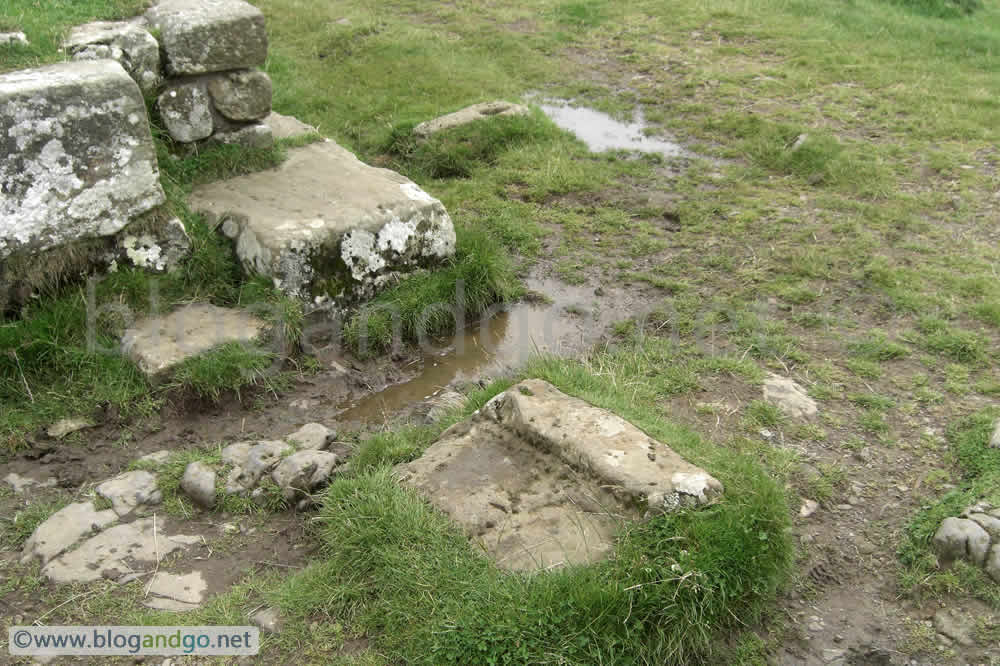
[157,344]
[63,529]
[129,491]
[113,552]
[541,479]
[176,592]
[324,225]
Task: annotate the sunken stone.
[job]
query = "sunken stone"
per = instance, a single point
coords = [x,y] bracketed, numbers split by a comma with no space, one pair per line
[159,343]
[63,529]
[79,158]
[789,396]
[324,224]
[176,592]
[200,36]
[303,472]
[125,41]
[470,114]
[541,479]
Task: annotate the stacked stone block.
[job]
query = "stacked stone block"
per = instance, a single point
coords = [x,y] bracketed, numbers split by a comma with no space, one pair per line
[203,61]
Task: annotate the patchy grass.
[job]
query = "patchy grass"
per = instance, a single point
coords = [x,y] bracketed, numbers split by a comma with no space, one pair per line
[980,467]
[15,529]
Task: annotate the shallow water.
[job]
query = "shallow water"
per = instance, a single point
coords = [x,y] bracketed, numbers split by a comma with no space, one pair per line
[602,132]
[572,321]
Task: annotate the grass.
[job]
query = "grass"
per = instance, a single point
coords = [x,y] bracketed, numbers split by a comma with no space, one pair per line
[980,469]
[17,528]
[681,581]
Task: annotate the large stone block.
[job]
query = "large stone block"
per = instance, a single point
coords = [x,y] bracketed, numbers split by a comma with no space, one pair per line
[325,224]
[200,36]
[241,96]
[78,159]
[186,111]
[125,41]
[538,478]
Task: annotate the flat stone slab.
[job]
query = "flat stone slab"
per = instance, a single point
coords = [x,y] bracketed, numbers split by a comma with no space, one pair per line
[157,344]
[470,114]
[130,490]
[789,396]
[63,529]
[326,225]
[79,159]
[114,553]
[541,479]
[200,36]
[175,592]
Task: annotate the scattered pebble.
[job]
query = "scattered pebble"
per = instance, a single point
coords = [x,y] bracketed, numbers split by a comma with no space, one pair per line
[808,508]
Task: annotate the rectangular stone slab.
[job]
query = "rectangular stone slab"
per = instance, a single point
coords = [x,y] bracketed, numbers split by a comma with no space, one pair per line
[78,159]
[538,478]
[200,36]
[324,217]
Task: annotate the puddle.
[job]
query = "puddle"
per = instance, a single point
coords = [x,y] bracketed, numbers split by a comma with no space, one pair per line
[602,132]
[571,322]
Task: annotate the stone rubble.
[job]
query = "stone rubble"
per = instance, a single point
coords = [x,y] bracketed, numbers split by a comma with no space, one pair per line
[974,536]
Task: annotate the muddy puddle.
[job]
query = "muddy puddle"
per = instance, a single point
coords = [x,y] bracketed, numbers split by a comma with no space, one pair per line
[570,320]
[601,132]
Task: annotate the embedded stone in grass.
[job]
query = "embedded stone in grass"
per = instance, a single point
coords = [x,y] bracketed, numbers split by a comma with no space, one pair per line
[20,484]
[64,427]
[993,563]
[199,36]
[115,552]
[124,41]
[159,343]
[788,396]
[130,491]
[470,114]
[326,225]
[199,484]
[80,159]
[541,479]
[995,437]
[155,458]
[63,529]
[268,620]
[13,38]
[288,127]
[158,250]
[176,592]
[959,538]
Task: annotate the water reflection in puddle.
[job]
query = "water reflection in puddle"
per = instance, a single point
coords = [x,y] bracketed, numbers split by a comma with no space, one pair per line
[571,322]
[602,132]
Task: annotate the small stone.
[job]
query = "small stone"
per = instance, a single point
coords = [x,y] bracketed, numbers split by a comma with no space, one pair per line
[236,454]
[789,396]
[199,484]
[13,38]
[312,436]
[766,434]
[993,563]
[156,457]
[995,437]
[955,625]
[833,654]
[815,627]
[64,427]
[843,507]
[130,491]
[301,473]
[268,620]
[808,508]
[470,114]
[256,135]
[262,458]
[864,455]
[20,484]
[959,538]
[287,127]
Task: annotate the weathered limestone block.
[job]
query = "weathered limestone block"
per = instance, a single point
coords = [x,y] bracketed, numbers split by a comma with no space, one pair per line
[470,114]
[79,158]
[159,343]
[241,95]
[186,111]
[124,41]
[539,479]
[200,36]
[324,224]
